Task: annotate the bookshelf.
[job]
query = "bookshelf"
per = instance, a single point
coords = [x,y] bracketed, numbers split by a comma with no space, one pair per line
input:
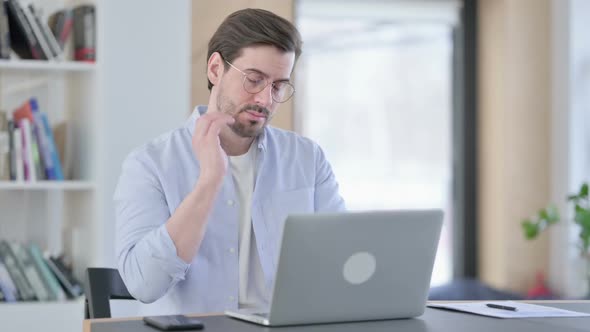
[137,89]
[58,216]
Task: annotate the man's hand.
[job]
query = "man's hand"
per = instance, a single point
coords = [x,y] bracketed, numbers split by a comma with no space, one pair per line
[207,147]
[187,224]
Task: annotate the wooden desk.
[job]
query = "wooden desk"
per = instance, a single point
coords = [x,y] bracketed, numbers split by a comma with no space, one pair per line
[433,320]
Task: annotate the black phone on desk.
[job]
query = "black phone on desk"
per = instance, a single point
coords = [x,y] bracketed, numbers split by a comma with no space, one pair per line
[173,322]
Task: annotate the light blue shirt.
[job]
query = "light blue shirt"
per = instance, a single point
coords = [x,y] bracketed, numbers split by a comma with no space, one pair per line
[293,176]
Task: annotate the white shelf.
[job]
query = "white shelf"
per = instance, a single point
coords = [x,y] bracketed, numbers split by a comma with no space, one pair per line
[47,185]
[46,65]
[43,304]
[48,316]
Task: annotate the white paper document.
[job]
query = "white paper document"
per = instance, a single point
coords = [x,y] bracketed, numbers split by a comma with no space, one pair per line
[507,309]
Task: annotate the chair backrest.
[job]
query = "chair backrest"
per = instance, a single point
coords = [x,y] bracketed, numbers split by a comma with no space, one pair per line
[102,285]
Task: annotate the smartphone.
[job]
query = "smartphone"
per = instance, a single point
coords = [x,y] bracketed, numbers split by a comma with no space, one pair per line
[173,322]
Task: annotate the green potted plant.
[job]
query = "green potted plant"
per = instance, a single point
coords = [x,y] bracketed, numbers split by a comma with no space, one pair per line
[548,216]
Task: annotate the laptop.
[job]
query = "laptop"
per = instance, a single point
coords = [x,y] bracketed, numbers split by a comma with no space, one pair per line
[351,266]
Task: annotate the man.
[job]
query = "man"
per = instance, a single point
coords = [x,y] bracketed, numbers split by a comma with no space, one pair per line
[200,210]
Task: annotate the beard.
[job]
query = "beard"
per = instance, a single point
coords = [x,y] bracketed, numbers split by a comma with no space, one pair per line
[243,128]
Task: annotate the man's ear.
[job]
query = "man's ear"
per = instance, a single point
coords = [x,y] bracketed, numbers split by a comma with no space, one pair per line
[215,68]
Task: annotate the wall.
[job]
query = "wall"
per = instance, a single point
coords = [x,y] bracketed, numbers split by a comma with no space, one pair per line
[515,134]
[570,146]
[206,17]
[144,86]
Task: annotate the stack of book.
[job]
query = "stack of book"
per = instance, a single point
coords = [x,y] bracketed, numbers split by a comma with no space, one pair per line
[23,30]
[26,274]
[27,146]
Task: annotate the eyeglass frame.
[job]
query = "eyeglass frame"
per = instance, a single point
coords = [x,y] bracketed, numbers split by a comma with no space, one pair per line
[267,83]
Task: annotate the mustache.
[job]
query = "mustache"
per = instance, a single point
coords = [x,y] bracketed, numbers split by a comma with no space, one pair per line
[256,108]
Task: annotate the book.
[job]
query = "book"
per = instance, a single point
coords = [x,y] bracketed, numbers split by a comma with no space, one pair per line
[64,147]
[9,290]
[17,155]
[42,141]
[25,111]
[41,40]
[52,146]
[45,154]
[46,32]
[22,39]
[26,264]
[12,151]
[61,24]
[4,148]
[37,162]
[57,292]
[25,291]
[4,33]
[65,276]
[27,148]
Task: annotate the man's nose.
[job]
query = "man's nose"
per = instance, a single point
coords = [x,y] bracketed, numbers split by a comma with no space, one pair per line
[264,97]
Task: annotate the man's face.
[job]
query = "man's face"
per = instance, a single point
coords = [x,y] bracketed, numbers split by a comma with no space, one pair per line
[252,111]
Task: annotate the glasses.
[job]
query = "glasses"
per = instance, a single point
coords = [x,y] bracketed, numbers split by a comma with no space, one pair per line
[255,82]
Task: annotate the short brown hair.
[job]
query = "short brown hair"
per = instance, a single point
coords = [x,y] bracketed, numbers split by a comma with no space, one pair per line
[250,27]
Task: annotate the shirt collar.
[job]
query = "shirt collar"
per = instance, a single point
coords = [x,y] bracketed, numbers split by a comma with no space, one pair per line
[200,110]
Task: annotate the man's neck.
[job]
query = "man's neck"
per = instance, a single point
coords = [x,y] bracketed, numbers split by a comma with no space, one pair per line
[233,144]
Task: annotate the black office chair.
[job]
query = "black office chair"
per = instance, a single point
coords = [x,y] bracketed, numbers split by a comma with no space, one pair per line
[102,285]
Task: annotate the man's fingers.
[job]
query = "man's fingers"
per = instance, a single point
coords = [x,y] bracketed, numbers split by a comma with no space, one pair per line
[201,127]
[218,123]
[204,122]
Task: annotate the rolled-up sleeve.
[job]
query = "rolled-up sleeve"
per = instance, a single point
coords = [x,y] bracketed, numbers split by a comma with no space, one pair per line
[146,255]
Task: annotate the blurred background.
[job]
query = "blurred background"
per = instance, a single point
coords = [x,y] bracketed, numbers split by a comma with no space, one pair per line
[477,107]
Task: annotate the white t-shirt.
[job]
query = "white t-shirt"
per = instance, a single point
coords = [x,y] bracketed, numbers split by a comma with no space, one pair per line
[252,288]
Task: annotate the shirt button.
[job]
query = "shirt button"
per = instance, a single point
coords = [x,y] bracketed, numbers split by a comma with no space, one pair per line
[232,250]
[230,202]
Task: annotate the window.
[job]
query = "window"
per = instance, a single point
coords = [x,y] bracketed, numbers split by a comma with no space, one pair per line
[374,89]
